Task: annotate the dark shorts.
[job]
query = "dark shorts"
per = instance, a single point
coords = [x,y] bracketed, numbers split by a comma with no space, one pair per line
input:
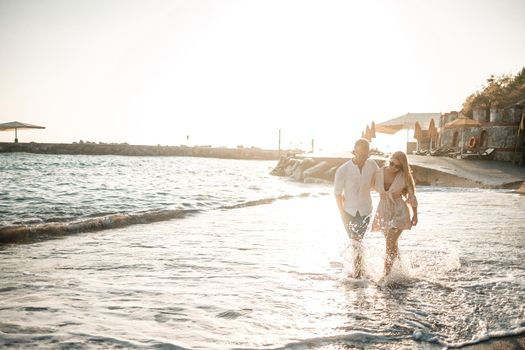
[358,224]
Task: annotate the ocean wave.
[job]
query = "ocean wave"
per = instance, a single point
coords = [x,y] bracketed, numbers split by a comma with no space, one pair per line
[363,339]
[28,233]
[500,335]
[263,201]
[31,233]
[371,340]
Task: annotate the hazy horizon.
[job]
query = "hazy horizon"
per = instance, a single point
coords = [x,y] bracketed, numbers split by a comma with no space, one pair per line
[233,73]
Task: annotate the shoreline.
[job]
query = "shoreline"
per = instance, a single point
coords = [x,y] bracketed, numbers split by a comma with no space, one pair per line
[427,170]
[124,149]
[504,342]
[488,344]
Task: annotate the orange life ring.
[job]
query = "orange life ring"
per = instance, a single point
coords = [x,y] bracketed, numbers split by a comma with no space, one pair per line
[472,142]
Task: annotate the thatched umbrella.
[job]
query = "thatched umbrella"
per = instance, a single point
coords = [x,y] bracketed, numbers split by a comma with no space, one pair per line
[433,132]
[418,134]
[18,125]
[406,121]
[368,134]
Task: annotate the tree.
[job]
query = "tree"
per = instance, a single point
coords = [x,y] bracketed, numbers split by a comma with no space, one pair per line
[499,91]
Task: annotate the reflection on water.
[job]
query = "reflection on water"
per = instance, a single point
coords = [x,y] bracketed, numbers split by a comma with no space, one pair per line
[42,188]
[272,276]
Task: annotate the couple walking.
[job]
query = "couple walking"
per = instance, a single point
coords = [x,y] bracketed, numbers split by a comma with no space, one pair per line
[354,181]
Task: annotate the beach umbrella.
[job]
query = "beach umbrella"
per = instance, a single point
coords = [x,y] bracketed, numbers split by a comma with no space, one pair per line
[406,121]
[433,130]
[418,134]
[368,134]
[433,133]
[17,125]
[373,129]
[462,123]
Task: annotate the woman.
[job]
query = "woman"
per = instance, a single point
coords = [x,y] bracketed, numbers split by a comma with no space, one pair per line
[396,188]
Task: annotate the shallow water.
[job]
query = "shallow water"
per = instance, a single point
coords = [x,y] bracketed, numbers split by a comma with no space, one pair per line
[40,188]
[272,276]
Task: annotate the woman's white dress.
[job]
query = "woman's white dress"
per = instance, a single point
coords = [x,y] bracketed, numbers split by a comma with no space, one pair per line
[392,210]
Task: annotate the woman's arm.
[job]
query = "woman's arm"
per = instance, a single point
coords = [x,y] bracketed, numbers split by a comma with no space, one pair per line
[414,216]
[412,200]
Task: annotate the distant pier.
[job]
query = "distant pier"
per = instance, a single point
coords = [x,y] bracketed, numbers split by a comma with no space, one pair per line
[123,149]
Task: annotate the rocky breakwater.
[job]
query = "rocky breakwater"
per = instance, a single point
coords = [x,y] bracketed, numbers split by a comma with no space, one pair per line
[521,189]
[308,169]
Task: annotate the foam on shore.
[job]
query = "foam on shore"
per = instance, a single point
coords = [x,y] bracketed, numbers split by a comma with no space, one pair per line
[37,232]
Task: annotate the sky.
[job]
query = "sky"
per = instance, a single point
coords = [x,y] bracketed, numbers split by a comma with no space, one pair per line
[232,72]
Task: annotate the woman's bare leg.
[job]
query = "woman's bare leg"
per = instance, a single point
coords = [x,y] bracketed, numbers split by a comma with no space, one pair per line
[392,250]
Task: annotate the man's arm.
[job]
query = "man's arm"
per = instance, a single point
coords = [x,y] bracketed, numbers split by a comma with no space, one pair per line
[340,200]
[339,197]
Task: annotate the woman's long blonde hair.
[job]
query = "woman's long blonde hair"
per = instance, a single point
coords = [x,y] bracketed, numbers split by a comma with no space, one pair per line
[407,171]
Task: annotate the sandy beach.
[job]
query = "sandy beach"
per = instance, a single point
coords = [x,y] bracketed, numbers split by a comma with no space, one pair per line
[516,342]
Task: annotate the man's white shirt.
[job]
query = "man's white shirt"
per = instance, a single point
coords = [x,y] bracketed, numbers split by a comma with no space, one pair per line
[356,186]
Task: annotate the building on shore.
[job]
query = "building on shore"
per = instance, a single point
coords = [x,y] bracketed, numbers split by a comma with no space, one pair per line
[498,132]
[498,128]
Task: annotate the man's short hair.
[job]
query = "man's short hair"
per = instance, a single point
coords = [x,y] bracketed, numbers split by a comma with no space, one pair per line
[362,143]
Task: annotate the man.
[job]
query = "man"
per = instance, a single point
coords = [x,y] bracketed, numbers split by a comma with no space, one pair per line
[352,186]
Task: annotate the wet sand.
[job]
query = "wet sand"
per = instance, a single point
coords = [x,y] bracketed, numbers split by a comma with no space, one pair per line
[515,342]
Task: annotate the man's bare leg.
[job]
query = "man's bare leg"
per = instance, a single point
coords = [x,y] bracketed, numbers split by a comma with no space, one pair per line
[357,248]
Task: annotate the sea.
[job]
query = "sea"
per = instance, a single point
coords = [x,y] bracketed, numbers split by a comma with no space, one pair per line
[199,253]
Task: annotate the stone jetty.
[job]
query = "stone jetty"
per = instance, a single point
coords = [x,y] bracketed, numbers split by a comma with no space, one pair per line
[310,167]
[427,170]
[123,149]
